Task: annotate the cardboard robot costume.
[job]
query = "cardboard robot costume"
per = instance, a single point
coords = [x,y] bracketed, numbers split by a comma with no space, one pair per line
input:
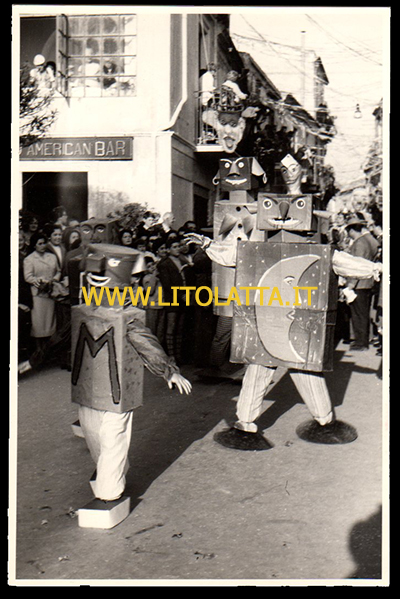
[285,327]
[110,345]
[235,218]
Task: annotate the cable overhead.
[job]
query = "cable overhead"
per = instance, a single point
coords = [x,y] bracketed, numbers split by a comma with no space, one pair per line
[342,43]
[261,38]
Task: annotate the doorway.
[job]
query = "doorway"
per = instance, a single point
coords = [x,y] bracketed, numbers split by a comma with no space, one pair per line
[43,191]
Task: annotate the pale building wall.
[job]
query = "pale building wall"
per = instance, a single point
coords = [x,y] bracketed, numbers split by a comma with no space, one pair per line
[147,177]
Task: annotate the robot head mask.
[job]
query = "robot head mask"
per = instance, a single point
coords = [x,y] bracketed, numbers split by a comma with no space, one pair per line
[239,174]
[98,230]
[292,213]
[112,266]
[291,173]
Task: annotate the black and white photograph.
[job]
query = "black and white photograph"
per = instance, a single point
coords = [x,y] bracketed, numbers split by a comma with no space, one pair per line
[199,316]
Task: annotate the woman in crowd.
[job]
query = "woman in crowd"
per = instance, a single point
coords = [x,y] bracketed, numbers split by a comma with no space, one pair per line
[41,269]
[24,305]
[29,226]
[160,249]
[141,244]
[54,233]
[126,238]
[73,264]
[69,238]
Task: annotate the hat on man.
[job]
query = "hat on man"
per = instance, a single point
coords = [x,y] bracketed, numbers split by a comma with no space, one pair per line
[355,220]
[39,60]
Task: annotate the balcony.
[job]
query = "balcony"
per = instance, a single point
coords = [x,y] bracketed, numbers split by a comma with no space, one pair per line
[206,135]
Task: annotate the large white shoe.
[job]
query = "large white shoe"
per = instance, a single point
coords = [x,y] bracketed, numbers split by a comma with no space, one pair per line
[24,367]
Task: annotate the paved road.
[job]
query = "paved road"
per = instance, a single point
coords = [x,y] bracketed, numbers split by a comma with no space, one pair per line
[202,513]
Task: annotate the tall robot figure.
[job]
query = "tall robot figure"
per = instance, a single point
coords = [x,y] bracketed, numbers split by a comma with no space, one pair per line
[286,314]
[234,219]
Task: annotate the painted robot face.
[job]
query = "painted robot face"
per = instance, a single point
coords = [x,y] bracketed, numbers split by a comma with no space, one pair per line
[239,174]
[235,174]
[235,222]
[289,212]
[98,230]
[93,230]
[110,265]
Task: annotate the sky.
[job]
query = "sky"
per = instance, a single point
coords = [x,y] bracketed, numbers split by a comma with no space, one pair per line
[353,46]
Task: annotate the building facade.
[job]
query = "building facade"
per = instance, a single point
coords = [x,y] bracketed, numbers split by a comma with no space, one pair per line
[125,99]
[130,127]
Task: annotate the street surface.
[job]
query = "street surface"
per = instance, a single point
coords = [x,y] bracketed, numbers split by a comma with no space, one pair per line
[202,513]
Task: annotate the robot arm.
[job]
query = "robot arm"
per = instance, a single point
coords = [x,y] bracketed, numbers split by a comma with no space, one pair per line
[357,267]
[222,253]
[154,357]
[149,349]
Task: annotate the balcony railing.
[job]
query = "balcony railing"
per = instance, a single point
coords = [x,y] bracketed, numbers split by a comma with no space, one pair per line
[206,135]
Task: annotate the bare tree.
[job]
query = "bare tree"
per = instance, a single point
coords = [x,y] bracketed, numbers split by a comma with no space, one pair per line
[35,108]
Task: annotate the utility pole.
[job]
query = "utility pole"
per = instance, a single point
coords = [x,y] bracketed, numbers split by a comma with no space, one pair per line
[303,68]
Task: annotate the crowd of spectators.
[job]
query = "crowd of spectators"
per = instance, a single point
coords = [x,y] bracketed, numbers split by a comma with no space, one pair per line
[50,255]
[356,226]
[50,266]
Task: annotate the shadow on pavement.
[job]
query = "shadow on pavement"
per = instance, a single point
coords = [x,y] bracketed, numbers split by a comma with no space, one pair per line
[287,395]
[168,423]
[365,543]
[338,380]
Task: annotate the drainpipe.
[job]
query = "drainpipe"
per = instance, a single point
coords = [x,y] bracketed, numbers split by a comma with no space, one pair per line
[182,101]
[184,94]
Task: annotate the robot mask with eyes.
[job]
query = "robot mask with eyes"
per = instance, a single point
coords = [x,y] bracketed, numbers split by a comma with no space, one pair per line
[292,211]
[98,230]
[112,266]
[289,212]
[239,174]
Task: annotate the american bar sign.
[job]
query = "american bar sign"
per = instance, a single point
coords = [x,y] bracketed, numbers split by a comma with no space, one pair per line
[79,148]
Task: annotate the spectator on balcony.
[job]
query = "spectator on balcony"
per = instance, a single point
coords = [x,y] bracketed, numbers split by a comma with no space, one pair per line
[207,84]
[232,86]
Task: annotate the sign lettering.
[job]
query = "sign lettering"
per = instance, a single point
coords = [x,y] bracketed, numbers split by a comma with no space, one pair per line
[80,148]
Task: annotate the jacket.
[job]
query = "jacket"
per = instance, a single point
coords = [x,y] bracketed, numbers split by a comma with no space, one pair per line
[365,246]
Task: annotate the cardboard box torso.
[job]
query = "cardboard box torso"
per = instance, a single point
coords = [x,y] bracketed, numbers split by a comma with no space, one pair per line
[291,322]
[107,372]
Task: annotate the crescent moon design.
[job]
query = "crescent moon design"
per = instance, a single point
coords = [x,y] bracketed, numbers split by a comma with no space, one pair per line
[273,322]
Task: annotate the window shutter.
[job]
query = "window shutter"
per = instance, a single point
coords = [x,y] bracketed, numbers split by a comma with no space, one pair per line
[62,54]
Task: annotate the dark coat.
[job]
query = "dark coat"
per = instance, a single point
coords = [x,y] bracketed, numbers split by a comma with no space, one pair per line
[170,276]
[367,247]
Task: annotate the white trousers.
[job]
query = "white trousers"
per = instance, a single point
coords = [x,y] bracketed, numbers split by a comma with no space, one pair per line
[311,386]
[108,437]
